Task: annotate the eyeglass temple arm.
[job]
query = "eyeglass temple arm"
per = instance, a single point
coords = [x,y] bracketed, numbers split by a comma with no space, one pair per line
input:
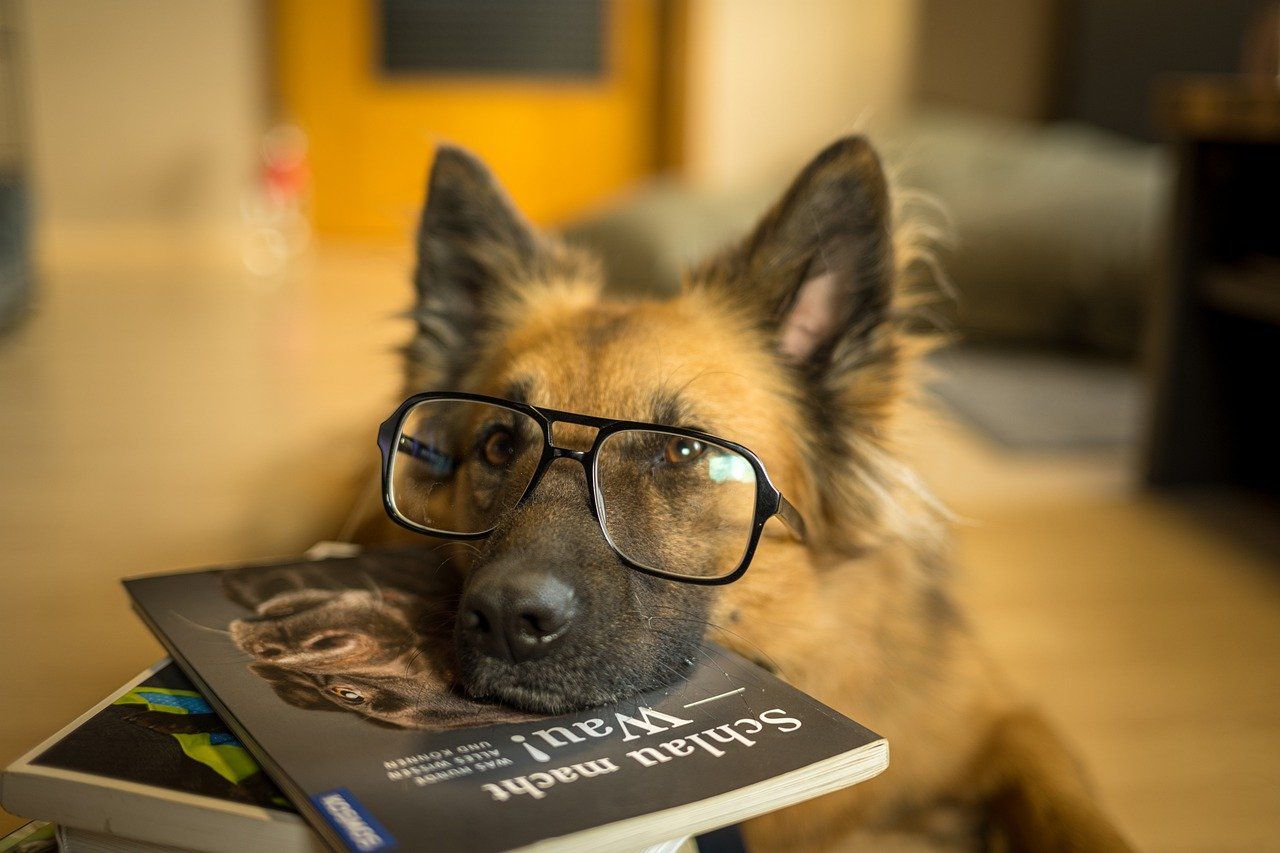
[792,518]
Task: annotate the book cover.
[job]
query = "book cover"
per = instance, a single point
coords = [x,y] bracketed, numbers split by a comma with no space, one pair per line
[35,837]
[152,762]
[336,673]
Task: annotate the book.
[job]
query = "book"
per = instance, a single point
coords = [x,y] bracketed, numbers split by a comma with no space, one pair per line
[70,840]
[153,764]
[38,836]
[151,769]
[331,672]
[152,761]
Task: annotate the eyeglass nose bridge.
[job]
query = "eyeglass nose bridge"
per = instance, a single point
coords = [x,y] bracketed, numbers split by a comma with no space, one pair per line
[582,456]
[556,421]
[554,452]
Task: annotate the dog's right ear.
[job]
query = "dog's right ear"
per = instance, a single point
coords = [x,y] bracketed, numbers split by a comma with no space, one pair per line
[817,277]
[476,254]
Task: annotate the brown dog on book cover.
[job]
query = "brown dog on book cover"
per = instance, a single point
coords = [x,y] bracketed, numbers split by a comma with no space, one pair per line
[798,343]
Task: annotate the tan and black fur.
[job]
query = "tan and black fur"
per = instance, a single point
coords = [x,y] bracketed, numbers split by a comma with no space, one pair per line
[796,343]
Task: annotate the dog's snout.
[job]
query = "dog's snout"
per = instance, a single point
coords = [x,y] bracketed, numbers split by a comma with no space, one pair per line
[518,617]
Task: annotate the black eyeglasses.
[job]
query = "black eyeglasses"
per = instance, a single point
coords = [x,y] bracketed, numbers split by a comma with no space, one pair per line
[672,502]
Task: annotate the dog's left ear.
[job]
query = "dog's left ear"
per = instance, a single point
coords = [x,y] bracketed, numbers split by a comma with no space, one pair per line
[817,272]
[476,256]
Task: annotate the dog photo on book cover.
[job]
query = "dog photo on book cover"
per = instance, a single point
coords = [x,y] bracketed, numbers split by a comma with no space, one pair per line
[371,639]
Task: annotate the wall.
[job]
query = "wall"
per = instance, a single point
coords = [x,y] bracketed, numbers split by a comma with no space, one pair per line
[144,119]
[770,82]
[146,113]
[992,56]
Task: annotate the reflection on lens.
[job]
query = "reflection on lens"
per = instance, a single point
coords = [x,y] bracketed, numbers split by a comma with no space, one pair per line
[459,465]
[683,513]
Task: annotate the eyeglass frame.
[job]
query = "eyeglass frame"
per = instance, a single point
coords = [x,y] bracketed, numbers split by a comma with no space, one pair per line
[769,501]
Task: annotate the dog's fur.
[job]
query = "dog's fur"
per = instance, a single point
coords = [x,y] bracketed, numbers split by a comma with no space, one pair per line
[796,343]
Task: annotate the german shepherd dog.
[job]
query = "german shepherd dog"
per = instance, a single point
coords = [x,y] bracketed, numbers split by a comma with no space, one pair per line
[796,342]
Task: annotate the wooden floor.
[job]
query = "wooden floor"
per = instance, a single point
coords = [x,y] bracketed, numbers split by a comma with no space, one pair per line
[152,418]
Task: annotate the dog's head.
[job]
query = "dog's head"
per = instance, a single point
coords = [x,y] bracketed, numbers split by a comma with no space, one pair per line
[790,343]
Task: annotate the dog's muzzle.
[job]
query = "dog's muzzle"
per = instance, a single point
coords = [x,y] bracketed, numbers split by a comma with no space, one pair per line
[514,613]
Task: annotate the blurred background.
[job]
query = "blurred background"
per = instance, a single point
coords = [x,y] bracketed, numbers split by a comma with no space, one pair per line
[206,211]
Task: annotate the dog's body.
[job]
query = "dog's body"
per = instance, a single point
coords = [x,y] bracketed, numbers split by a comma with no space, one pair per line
[794,344]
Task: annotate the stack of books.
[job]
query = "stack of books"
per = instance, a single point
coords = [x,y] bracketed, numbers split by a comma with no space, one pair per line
[244,742]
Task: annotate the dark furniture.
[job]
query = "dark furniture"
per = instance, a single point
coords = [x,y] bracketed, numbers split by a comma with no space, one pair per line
[1215,349]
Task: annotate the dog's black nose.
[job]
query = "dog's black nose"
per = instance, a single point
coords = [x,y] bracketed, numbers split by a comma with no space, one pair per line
[517,617]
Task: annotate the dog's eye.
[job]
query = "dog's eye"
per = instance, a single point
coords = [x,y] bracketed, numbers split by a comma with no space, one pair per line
[346,694]
[499,447]
[682,450]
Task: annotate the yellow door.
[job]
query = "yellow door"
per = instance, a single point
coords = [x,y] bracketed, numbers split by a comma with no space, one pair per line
[559,145]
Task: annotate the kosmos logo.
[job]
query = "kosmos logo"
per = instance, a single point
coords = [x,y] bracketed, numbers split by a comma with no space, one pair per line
[347,816]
